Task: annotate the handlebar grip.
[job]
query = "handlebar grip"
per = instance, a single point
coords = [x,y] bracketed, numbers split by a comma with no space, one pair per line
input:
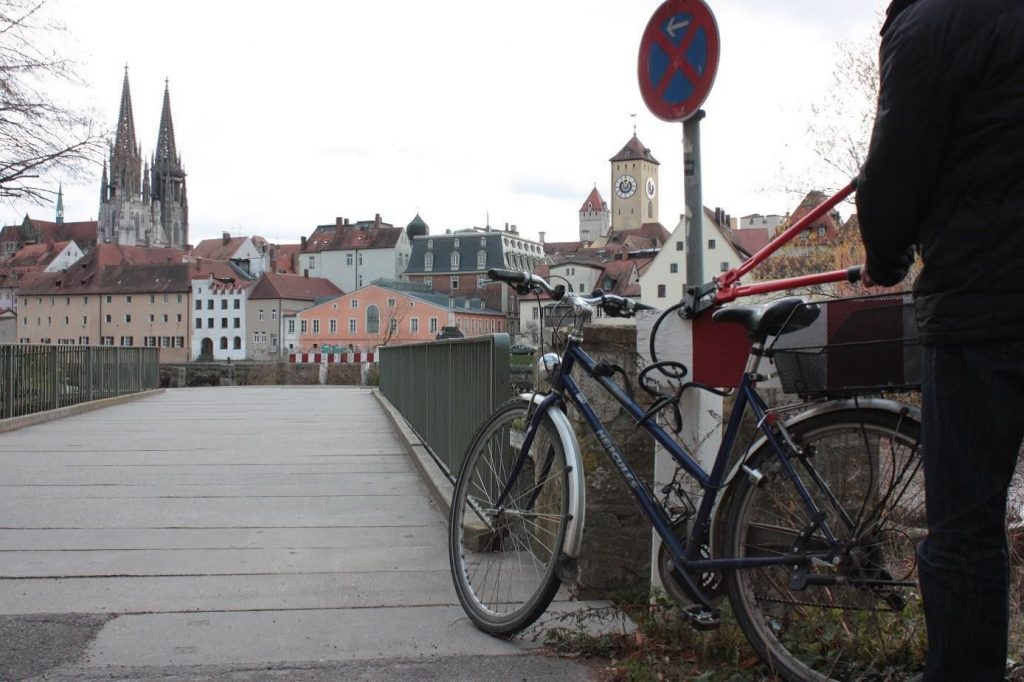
[509,276]
[853,274]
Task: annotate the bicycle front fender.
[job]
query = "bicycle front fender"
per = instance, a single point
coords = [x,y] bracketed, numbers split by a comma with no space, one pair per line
[576,487]
[867,404]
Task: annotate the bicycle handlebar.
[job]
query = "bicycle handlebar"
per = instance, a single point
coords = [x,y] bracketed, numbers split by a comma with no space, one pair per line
[525,283]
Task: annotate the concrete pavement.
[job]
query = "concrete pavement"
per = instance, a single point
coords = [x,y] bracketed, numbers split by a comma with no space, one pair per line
[201,533]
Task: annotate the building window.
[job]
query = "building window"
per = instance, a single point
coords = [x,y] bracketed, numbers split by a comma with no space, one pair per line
[332,326]
[166,318]
[433,325]
[661,291]
[127,341]
[711,243]
[673,268]
[209,322]
[456,242]
[85,320]
[273,342]
[179,341]
[312,262]
[223,323]
[372,320]
[348,259]
[430,243]
[238,323]
[128,299]
[179,317]
[392,325]
[428,261]
[354,303]
[316,326]
[391,303]
[199,323]
[223,304]
[259,316]
[291,326]
[303,326]
[209,304]
[455,260]
[351,326]
[414,325]
[679,246]
[152,318]
[199,304]
[223,343]
[455,283]
[127,318]
[725,267]
[821,230]
[238,343]
[165,342]
[273,314]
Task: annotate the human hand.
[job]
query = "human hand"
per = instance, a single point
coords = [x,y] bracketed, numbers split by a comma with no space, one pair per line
[865,277]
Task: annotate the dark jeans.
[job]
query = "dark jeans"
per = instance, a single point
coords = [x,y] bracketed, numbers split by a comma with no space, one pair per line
[973,411]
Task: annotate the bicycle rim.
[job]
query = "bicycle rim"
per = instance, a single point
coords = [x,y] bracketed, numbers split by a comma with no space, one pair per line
[861,619]
[504,558]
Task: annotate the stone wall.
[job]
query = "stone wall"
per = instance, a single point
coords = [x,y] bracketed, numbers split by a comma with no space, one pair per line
[255,374]
[616,553]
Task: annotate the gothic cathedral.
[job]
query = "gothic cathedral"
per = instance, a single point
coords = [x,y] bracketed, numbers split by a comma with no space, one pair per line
[143,206]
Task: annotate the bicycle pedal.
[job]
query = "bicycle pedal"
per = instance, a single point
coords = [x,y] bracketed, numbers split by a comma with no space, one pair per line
[701,618]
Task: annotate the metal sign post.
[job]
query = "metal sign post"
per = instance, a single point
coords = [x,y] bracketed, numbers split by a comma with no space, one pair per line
[694,200]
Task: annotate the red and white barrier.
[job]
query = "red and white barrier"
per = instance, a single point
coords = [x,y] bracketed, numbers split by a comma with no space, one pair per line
[330,358]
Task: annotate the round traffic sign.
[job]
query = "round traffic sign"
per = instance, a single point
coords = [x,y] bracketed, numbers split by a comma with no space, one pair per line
[678,59]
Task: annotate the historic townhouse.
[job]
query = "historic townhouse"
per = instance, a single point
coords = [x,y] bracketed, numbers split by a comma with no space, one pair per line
[219,290]
[274,304]
[390,313]
[354,254]
[115,296]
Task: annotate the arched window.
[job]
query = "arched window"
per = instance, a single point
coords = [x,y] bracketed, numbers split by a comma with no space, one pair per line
[372,320]
[238,343]
[223,343]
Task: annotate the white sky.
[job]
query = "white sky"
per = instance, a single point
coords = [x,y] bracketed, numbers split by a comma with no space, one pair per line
[289,114]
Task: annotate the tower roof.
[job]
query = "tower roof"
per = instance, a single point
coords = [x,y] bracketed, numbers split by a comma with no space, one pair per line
[124,141]
[417,227]
[594,202]
[166,151]
[633,150]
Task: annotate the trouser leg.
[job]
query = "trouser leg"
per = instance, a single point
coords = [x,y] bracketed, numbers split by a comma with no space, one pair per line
[973,413]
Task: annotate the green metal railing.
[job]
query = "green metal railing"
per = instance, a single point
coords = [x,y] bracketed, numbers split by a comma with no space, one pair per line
[445,389]
[38,378]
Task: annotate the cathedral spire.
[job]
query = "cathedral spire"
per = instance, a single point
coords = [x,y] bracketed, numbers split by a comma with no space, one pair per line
[166,152]
[124,142]
[60,204]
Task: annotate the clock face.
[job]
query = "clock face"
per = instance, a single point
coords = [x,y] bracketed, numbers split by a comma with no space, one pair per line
[650,188]
[625,186]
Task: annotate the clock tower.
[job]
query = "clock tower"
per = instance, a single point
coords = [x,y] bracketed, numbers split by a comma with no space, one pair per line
[635,186]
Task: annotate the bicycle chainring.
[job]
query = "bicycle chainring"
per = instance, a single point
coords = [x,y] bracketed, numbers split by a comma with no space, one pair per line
[710,583]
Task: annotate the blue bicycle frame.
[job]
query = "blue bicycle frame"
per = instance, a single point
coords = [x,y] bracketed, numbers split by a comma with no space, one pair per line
[687,561]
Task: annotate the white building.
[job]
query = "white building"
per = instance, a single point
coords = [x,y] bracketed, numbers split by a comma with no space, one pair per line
[351,255]
[219,294]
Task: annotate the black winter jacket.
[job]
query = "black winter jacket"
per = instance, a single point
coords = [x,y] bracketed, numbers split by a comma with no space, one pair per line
[945,169]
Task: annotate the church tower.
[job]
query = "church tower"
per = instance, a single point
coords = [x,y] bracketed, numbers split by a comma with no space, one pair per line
[595,219]
[634,186]
[170,202]
[143,206]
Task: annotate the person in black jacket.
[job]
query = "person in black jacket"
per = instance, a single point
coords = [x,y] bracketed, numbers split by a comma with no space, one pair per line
[945,174]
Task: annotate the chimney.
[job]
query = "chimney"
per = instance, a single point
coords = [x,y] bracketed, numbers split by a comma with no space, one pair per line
[541,237]
[514,230]
[49,244]
[346,221]
[376,220]
[339,221]
[225,237]
[303,240]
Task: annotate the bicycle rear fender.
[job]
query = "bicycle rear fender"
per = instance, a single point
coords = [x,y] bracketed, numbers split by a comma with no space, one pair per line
[577,487]
[866,404]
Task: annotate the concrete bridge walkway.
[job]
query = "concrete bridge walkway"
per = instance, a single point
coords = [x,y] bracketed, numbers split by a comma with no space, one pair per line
[235,533]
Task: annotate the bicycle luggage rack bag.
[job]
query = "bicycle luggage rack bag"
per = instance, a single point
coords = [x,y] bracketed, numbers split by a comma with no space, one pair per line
[856,345]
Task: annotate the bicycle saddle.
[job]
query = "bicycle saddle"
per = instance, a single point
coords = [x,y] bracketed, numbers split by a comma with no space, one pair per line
[771,319]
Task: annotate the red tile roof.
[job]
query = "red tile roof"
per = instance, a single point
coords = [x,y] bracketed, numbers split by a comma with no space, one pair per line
[218,249]
[34,256]
[293,287]
[593,202]
[750,240]
[633,150]
[346,237]
[283,257]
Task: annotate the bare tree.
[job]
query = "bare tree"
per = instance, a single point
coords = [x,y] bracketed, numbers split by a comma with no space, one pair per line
[39,135]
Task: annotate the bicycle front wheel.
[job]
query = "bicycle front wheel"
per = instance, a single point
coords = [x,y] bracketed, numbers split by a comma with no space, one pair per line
[857,615]
[504,552]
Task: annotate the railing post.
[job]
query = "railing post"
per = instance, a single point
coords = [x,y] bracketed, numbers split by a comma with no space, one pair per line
[10,376]
[89,360]
[54,376]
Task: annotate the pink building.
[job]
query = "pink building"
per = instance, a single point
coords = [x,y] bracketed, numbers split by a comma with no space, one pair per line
[390,313]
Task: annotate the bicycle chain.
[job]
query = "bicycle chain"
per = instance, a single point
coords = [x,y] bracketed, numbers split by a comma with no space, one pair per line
[821,606]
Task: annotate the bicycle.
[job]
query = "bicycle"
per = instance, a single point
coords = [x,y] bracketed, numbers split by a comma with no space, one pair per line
[810,531]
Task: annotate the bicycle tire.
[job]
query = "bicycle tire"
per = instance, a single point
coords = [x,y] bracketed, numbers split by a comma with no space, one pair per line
[504,561]
[870,460]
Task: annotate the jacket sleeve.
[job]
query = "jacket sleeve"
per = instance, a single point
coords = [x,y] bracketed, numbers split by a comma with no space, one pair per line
[907,145]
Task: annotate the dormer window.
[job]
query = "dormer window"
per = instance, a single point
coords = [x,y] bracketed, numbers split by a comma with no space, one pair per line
[430,243]
[428,261]
[481,260]
[455,260]
[456,242]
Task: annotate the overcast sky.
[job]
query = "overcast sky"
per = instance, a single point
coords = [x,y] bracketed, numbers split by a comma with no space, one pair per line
[287,115]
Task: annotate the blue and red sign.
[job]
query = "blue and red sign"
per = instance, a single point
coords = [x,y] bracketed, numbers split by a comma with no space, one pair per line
[678,59]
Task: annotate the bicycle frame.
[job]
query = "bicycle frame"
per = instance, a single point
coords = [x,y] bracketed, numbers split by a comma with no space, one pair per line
[688,560]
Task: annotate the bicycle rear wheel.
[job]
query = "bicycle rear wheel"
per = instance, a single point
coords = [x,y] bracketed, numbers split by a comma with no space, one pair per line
[860,618]
[504,557]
